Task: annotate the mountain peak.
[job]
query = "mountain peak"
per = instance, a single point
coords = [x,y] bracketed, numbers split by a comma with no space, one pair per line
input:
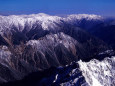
[86,16]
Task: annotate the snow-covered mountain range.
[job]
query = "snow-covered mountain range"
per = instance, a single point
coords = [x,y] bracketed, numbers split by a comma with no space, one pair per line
[46,21]
[38,42]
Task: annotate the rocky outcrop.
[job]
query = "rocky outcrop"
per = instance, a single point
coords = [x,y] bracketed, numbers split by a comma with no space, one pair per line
[99,72]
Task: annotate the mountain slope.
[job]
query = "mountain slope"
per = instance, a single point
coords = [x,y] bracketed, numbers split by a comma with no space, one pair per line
[79,73]
[30,43]
[106,33]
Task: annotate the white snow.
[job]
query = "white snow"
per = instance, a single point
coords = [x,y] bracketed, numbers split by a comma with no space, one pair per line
[20,21]
[5,54]
[54,40]
[106,52]
[99,73]
[56,77]
[46,21]
[82,16]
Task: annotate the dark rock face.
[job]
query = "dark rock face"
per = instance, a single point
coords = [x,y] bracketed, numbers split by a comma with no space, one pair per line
[53,77]
[102,29]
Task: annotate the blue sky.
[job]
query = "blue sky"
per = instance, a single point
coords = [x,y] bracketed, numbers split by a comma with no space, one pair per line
[58,7]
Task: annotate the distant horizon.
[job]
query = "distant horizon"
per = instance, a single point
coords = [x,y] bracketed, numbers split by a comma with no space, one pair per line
[58,7]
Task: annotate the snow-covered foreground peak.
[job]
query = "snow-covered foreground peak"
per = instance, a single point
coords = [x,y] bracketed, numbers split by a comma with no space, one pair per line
[99,73]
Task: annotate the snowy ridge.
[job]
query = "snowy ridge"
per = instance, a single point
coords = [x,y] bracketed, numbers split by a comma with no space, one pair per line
[54,40]
[99,73]
[20,20]
[46,21]
[96,73]
[84,16]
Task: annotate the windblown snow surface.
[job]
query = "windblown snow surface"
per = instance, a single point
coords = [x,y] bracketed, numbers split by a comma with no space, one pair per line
[99,73]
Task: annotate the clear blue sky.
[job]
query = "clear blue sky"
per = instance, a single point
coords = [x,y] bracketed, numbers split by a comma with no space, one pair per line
[58,7]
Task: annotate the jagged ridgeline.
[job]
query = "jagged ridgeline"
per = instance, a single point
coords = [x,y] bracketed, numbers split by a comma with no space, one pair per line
[30,43]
